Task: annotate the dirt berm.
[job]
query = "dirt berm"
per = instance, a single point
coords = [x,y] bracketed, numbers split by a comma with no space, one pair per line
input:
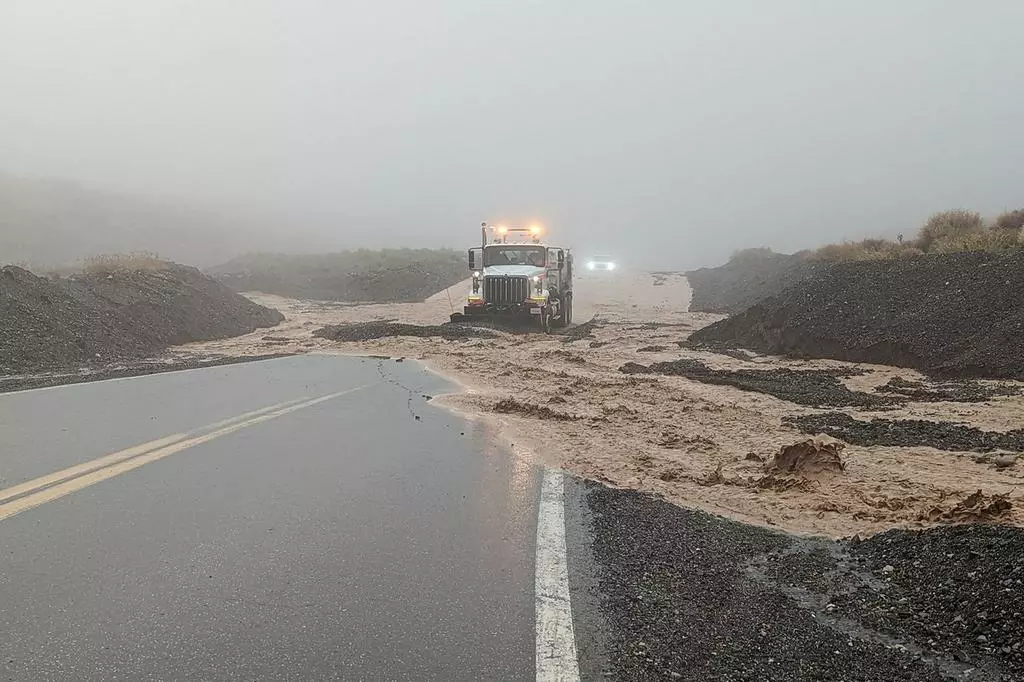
[749,277]
[957,315]
[102,318]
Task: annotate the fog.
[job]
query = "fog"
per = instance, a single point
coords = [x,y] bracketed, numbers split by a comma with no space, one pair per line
[668,131]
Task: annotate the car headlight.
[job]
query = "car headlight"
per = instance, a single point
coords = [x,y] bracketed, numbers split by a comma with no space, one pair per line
[611,266]
[591,265]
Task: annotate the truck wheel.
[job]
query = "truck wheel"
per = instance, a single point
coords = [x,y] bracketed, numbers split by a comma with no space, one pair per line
[563,313]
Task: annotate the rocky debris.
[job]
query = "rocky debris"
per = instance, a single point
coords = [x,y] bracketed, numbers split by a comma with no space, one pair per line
[804,387]
[387,276]
[652,349]
[953,315]
[807,457]
[580,331]
[679,603]
[513,406]
[118,316]
[367,331]
[949,391]
[957,590]
[909,433]
[976,507]
[749,277]
[127,369]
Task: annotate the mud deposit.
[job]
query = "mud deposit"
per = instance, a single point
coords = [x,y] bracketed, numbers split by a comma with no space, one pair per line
[813,388]
[909,433]
[367,331]
[953,315]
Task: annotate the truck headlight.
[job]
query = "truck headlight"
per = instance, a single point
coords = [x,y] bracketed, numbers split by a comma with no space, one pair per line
[591,265]
[539,283]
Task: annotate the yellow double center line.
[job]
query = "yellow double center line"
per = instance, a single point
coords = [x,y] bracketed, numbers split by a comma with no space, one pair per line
[53,486]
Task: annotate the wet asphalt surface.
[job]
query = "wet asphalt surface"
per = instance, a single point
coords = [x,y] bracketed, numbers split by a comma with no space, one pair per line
[376,537]
[361,538]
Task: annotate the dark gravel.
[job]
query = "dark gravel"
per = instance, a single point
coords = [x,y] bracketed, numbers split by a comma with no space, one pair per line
[957,589]
[908,433]
[98,319]
[579,332]
[680,603]
[366,331]
[957,391]
[747,278]
[133,369]
[805,387]
[950,315]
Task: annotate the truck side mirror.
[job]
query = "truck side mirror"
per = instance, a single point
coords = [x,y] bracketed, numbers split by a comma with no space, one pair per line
[561,259]
[472,260]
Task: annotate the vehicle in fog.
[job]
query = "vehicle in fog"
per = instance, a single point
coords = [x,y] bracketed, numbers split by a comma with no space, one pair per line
[606,263]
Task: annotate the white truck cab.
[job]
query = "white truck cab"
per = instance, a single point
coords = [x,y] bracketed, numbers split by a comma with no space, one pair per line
[516,274]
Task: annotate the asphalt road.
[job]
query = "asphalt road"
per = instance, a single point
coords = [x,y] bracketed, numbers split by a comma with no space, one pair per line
[349,530]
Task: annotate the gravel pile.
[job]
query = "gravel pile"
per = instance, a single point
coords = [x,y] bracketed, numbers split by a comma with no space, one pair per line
[745,280]
[909,433]
[959,589]
[957,392]
[121,316]
[680,605]
[805,387]
[954,315]
[580,331]
[367,331]
[687,595]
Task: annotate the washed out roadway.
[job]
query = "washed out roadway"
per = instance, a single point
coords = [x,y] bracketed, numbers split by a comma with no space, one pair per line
[365,536]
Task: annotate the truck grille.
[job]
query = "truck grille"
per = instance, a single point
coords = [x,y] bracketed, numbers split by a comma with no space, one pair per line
[506,289]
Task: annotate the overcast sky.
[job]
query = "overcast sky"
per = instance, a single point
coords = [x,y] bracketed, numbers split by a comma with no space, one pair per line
[671,130]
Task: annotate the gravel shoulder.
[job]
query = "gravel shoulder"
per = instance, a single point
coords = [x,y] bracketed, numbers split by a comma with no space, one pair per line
[689,595]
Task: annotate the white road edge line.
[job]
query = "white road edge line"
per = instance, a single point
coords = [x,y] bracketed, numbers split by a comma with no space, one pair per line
[556,641]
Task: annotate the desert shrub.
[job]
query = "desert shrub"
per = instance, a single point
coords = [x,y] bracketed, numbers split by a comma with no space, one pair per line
[135,261]
[986,240]
[1010,221]
[948,224]
[866,249]
[752,255]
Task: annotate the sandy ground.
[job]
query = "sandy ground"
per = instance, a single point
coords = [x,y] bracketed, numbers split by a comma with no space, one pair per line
[697,445]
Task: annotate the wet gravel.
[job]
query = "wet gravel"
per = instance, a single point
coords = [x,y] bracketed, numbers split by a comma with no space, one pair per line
[959,590]
[98,319]
[134,369]
[951,315]
[956,391]
[680,604]
[909,433]
[814,388]
[367,331]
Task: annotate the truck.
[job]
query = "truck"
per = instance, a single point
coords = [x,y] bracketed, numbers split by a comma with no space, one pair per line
[517,276]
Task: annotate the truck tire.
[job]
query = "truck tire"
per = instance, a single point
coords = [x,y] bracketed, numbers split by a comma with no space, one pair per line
[563,313]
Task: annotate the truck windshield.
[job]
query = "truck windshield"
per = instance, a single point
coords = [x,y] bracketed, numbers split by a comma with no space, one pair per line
[514,254]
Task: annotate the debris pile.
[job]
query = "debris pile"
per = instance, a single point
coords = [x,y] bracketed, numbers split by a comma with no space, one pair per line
[101,318]
[813,388]
[955,315]
[909,433]
[367,331]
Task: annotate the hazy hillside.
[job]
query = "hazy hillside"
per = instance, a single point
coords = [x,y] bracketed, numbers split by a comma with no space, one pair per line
[46,223]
